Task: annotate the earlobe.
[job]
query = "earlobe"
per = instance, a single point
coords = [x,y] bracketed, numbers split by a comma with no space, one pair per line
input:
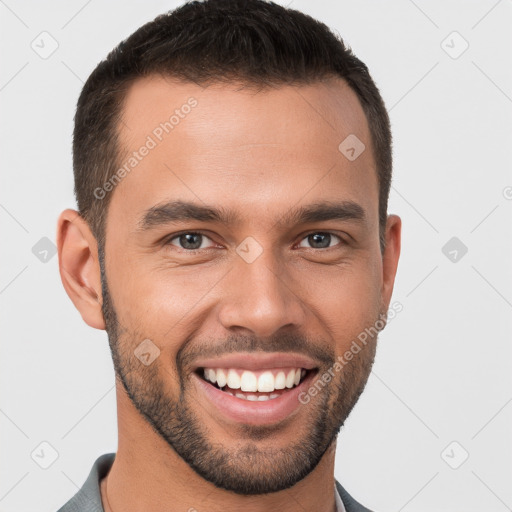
[390,257]
[79,267]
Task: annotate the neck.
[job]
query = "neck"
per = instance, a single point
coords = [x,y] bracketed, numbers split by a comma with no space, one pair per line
[149,475]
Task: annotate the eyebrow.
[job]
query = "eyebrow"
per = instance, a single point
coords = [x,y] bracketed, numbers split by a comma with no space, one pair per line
[182,211]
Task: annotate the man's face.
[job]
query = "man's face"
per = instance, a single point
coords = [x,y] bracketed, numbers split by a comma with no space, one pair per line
[260,281]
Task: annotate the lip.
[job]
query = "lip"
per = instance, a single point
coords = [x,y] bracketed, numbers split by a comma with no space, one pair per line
[252,361]
[247,412]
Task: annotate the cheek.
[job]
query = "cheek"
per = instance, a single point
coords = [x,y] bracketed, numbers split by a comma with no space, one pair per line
[345,300]
[161,301]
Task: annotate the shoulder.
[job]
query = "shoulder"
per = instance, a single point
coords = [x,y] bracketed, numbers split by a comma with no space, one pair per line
[351,505]
[88,498]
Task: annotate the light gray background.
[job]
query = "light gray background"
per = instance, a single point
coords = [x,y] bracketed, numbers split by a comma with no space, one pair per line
[442,371]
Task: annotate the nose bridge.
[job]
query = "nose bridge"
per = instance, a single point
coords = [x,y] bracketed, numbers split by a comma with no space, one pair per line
[258,297]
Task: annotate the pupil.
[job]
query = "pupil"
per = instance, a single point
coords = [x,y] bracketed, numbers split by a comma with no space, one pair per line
[187,242]
[317,237]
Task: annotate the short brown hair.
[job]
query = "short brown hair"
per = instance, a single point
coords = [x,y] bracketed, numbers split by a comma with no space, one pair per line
[252,41]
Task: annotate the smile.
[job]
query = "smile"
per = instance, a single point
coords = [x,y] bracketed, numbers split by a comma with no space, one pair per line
[252,397]
[261,385]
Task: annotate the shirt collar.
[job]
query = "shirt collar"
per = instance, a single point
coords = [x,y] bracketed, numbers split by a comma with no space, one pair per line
[339,504]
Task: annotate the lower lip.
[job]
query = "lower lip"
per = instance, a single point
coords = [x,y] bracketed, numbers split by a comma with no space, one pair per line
[254,413]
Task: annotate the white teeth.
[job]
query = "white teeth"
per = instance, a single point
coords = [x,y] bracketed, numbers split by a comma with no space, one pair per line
[280,381]
[248,382]
[290,379]
[266,382]
[233,379]
[254,398]
[221,378]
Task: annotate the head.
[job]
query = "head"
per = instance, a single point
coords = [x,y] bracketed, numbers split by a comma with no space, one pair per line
[232,165]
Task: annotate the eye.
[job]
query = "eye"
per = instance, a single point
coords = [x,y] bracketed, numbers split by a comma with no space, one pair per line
[190,241]
[320,240]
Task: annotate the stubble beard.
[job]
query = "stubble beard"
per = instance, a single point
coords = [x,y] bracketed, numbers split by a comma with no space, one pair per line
[251,466]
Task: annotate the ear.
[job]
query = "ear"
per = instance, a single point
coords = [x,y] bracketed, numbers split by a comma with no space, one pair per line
[79,266]
[390,258]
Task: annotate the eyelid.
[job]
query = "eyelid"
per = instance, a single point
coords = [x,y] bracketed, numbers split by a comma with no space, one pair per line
[167,240]
[319,231]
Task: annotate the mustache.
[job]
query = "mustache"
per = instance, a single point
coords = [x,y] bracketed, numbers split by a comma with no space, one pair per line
[319,350]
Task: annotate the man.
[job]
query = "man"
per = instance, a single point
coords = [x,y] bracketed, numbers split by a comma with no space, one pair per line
[232,166]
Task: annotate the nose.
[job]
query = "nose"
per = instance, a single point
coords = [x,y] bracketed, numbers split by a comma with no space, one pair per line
[260,297]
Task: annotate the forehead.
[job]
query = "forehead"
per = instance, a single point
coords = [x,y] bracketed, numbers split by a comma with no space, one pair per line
[256,151]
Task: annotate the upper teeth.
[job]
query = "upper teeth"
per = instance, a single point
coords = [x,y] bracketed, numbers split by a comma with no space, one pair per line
[246,380]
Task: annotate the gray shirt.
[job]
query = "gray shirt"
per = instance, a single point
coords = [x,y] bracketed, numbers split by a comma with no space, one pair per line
[88,498]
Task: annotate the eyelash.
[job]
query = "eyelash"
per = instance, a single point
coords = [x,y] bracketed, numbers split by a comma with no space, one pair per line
[194,251]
